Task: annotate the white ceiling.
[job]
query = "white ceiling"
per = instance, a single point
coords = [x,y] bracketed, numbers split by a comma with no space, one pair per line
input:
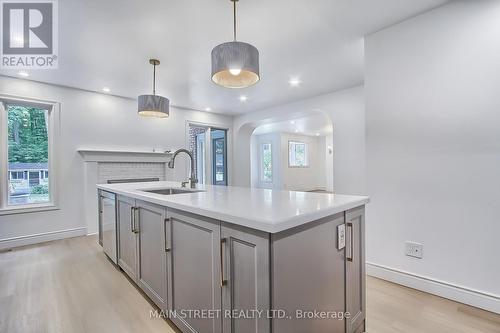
[108,43]
[315,125]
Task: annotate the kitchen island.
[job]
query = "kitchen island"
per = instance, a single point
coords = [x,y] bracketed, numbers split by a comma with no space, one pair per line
[235,259]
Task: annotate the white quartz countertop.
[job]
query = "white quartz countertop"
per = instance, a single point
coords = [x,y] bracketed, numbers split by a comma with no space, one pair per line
[262,209]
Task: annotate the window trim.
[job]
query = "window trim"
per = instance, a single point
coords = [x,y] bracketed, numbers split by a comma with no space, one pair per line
[53,141]
[261,155]
[306,148]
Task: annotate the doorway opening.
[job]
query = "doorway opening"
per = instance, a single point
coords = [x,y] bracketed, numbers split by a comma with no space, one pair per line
[293,153]
[209,147]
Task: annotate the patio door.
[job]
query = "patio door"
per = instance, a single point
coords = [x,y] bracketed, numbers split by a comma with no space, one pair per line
[209,147]
[219,156]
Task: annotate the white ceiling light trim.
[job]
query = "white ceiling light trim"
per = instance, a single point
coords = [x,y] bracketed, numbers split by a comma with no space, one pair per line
[294,82]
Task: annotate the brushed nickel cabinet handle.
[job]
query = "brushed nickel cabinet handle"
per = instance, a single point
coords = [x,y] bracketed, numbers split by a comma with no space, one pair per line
[132,217]
[137,221]
[223,282]
[349,256]
[168,219]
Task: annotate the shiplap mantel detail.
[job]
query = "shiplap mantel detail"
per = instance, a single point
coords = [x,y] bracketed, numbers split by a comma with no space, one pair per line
[116,155]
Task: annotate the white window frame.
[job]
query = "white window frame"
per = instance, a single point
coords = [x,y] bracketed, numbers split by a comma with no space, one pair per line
[17,175]
[261,154]
[53,140]
[306,153]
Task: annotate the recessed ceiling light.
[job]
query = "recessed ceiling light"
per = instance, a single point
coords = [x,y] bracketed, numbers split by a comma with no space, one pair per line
[243,98]
[23,74]
[208,109]
[292,122]
[317,134]
[294,82]
[106,89]
[296,131]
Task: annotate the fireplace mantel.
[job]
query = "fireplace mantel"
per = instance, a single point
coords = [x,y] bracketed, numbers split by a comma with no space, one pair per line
[93,157]
[117,155]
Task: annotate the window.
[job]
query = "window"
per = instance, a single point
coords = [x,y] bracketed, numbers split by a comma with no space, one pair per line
[16,175]
[266,158]
[297,155]
[26,152]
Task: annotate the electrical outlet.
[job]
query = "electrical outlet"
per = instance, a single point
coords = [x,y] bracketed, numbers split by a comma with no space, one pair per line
[340,236]
[415,250]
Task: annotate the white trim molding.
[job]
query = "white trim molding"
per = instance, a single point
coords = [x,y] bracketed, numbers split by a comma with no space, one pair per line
[476,298]
[116,155]
[53,132]
[9,243]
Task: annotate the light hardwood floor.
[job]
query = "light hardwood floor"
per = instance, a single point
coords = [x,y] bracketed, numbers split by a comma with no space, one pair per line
[70,286]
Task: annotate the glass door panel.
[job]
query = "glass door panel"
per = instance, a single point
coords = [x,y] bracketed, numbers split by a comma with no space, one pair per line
[219,157]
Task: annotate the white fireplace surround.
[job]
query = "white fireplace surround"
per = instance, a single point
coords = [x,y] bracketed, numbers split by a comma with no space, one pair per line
[101,165]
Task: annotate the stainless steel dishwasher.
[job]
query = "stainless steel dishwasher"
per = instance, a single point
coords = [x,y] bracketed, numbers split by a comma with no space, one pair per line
[107,219]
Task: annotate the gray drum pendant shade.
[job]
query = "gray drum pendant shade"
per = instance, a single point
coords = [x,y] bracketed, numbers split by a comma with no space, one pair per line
[235,64]
[153,105]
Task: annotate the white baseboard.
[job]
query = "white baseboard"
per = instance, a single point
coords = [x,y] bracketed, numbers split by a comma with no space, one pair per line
[460,294]
[8,243]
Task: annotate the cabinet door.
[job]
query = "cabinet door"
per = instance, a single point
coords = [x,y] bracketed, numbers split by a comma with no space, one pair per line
[152,271]
[127,250]
[194,270]
[355,270]
[246,279]
[309,274]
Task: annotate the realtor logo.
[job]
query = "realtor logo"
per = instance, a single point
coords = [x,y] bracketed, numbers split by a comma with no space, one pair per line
[29,34]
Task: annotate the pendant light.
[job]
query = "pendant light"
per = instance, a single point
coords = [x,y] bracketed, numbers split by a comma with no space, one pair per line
[235,64]
[153,105]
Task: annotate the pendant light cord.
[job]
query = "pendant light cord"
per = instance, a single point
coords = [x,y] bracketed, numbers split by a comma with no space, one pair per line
[234,19]
[154,79]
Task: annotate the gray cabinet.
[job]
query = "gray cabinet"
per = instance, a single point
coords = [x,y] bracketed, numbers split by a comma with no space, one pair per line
[355,270]
[127,236]
[142,246]
[308,274]
[152,260]
[245,278]
[189,264]
[194,270]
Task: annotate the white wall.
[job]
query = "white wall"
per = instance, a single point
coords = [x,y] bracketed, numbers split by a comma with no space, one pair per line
[329,162]
[346,110]
[433,150]
[94,120]
[303,179]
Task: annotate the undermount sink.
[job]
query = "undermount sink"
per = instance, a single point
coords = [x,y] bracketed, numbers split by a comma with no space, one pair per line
[170,191]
